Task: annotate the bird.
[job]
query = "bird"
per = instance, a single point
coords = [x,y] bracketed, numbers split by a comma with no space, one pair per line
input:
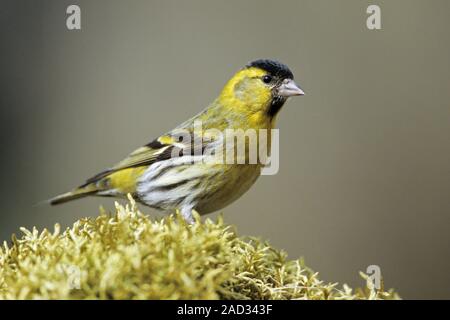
[174,174]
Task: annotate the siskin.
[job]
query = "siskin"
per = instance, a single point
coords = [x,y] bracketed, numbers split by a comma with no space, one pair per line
[169,174]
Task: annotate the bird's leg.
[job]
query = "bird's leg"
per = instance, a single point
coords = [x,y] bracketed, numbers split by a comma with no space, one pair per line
[186,212]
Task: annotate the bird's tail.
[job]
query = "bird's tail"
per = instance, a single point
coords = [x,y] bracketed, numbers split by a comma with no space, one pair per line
[74,194]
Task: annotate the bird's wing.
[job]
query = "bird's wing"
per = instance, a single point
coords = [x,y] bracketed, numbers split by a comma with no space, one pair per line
[122,176]
[163,148]
[156,150]
[146,155]
[152,152]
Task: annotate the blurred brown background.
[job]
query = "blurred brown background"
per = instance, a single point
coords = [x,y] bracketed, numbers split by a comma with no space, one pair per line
[365,155]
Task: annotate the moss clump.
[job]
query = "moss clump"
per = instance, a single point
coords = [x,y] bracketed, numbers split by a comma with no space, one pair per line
[127,255]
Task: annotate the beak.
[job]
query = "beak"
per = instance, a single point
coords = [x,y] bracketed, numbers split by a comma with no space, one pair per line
[289,88]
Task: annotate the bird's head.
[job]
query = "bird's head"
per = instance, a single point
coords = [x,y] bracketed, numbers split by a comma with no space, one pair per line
[261,87]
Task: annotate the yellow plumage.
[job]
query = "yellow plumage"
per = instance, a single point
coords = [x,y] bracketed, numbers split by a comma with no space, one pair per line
[125,180]
[164,175]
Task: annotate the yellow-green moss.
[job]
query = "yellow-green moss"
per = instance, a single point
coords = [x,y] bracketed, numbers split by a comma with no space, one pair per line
[126,255]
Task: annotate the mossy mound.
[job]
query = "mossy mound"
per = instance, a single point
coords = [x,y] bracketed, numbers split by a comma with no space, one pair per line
[126,255]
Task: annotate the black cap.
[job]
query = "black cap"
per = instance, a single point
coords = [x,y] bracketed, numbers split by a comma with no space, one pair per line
[275,68]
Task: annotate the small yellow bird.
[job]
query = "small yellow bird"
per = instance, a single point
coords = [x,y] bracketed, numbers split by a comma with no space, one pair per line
[169,174]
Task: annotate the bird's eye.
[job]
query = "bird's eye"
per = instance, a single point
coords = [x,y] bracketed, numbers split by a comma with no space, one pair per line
[267,79]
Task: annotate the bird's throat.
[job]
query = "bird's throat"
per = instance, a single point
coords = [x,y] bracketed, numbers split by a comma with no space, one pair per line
[275,106]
